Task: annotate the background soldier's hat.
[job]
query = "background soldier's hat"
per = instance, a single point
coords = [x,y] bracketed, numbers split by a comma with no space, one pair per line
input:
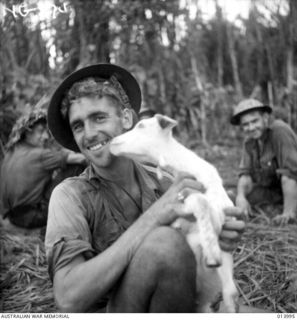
[246,106]
[23,124]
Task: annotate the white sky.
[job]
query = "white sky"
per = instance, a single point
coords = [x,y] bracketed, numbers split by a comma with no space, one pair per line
[231,8]
[234,9]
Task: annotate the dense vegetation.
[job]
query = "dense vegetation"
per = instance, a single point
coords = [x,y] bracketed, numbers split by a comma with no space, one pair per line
[190,68]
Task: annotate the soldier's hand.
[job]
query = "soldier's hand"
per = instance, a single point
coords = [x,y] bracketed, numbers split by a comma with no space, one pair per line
[284,218]
[243,204]
[233,228]
[170,205]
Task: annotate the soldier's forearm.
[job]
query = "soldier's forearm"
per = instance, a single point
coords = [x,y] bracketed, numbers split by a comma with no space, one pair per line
[289,188]
[245,185]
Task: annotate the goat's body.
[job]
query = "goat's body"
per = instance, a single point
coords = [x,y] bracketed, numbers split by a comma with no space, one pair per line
[179,158]
[214,267]
[208,210]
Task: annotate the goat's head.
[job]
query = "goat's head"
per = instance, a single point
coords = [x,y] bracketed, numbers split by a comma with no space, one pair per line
[146,141]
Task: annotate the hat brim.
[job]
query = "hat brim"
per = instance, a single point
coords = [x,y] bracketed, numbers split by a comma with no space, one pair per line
[59,127]
[235,119]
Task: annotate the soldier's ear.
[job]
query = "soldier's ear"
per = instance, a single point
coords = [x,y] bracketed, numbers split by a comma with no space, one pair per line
[266,118]
[127,118]
[165,122]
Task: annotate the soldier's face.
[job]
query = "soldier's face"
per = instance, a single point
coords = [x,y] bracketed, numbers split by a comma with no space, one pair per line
[38,135]
[94,122]
[253,124]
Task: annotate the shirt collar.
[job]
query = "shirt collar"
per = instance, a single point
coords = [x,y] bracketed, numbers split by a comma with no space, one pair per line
[148,186]
[142,175]
[265,134]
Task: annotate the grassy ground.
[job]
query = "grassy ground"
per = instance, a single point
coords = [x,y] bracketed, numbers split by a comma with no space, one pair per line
[265,261]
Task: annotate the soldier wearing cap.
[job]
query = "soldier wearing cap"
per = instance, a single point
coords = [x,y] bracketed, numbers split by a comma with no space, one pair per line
[268,168]
[108,240]
[27,171]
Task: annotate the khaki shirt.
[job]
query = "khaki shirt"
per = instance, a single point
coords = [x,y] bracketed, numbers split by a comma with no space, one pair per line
[85,217]
[25,173]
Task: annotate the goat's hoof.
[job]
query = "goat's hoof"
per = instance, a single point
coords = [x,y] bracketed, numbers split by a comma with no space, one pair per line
[233,308]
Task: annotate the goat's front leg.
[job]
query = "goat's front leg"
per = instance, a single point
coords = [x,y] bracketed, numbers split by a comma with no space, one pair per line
[229,291]
[205,236]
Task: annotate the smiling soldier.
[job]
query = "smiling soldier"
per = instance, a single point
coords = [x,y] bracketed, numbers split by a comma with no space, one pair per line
[109,240]
[268,168]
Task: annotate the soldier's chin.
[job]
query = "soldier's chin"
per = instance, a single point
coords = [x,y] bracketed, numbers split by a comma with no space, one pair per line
[257,136]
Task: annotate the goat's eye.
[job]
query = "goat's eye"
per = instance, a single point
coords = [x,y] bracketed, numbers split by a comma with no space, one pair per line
[140,125]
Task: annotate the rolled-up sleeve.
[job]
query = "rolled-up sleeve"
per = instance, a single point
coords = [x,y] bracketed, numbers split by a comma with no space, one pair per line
[68,234]
[52,159]
[245,166]
[285,148]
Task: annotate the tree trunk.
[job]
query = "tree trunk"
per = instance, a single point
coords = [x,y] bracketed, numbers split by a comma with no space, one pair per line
[270,66]
[7,48]
[234,64]
[102,43]
[270,94]
[219,46]
[202,105]
[259,40]
[83,50]
[290,57]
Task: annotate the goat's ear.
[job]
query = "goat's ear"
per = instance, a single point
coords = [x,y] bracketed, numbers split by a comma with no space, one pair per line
[165,122]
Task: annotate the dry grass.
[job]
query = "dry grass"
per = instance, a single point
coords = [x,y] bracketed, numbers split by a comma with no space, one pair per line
[265,270]
[24,281]
[266,266]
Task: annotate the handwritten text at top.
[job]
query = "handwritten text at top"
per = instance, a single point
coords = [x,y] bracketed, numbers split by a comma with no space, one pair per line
[23,10]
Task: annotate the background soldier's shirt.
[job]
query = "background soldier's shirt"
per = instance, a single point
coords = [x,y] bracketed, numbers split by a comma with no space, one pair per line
[275,155]
[25,172]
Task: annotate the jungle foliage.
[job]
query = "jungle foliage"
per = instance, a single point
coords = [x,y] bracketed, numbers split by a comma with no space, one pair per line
[190,68]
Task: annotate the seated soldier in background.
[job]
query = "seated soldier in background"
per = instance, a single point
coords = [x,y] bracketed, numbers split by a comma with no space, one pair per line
[268,168]
[28,168]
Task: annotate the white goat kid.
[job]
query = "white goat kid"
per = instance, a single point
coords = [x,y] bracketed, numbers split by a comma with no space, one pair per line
[151,141]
